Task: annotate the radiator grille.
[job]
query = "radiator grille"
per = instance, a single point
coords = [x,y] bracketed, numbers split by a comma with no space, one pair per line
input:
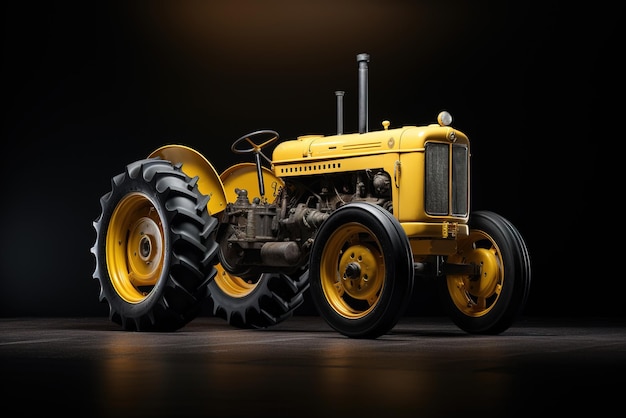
[446,177]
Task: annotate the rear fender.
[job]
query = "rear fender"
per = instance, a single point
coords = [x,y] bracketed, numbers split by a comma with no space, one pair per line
[244,176]
[194,164]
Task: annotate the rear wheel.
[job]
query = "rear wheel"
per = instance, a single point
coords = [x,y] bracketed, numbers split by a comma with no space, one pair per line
[154,247]
[488,304]
[266,300]
[361,271]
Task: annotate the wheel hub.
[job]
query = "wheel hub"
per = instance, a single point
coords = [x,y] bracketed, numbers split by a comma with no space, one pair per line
[145,248]
[360,267]
[353,270]
[489,280]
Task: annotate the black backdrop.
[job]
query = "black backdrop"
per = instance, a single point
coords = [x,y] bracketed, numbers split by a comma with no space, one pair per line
[91,86]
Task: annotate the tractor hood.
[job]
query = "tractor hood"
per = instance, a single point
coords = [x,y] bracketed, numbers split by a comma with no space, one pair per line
[405,139]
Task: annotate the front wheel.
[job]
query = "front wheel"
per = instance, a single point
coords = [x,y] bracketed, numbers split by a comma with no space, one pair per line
[361,270]
[154,247]
[490,303]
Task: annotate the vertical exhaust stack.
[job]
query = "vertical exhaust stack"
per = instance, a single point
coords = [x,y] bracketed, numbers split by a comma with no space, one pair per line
[339,95]
[363,59]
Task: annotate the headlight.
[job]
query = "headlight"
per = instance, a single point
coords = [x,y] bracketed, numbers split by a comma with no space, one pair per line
[444,118]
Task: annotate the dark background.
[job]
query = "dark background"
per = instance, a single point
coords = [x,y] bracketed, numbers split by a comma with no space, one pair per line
[89,87]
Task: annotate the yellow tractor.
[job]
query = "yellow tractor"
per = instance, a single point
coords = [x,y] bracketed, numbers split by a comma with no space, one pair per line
[358,220]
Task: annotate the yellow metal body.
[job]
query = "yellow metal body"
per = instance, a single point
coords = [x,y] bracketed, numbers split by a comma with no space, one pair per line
[401,153]
[244,176]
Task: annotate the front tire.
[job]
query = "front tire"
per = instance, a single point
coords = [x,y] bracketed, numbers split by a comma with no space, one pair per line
[490,303]
[361,271]
[154,247]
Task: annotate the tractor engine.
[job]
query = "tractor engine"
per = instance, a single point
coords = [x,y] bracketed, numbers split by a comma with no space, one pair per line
[278,236]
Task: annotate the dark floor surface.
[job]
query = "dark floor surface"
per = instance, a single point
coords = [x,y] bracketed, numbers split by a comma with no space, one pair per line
[425,367]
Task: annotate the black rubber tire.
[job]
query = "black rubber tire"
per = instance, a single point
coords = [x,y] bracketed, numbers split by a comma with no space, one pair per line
[361,271]
[491,304]
[268,302]
[154,247]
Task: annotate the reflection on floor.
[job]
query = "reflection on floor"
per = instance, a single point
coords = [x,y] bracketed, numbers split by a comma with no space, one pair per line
[425,367]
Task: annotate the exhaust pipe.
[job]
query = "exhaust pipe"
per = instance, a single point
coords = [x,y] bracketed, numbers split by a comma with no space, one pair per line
[363,59]
[339,95]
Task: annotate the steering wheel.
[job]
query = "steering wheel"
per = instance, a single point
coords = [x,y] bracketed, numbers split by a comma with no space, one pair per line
[256,149]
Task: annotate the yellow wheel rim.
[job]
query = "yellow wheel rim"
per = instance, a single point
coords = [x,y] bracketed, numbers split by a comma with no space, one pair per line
[477,296]
[353,270]
[233,286]
[135,247]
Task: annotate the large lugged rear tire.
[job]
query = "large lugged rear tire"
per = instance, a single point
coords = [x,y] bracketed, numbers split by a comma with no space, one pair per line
[491,303]
[270,300]
[361,270]
[154,247]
